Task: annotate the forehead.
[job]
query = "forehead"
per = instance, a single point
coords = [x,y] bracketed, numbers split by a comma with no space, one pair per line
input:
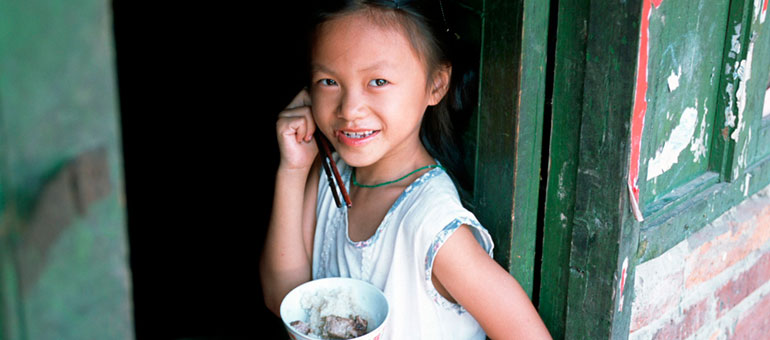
[356,41]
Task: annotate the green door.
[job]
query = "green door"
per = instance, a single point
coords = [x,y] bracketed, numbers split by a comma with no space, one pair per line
[509,130]
[657,129]
[503,140]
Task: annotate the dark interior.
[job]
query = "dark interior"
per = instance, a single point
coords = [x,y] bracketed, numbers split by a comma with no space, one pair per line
[200,86]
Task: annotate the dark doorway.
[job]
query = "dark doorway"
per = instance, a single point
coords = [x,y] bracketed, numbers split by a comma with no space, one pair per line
[200,86]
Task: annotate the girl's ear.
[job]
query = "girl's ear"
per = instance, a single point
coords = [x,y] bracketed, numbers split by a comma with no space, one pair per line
[440,84]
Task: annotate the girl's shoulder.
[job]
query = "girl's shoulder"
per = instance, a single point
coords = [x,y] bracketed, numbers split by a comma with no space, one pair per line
[435,190]
[433,200]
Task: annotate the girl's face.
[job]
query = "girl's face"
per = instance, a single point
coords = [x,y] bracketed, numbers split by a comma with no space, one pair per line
[369,90]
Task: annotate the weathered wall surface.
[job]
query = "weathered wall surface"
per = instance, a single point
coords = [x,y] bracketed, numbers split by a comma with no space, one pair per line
[63,251]
[713,285]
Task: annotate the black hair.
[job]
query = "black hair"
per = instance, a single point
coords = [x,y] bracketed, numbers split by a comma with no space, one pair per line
[427,25]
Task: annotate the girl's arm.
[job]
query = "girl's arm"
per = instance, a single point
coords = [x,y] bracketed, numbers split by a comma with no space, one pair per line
[486,290]
[286,258]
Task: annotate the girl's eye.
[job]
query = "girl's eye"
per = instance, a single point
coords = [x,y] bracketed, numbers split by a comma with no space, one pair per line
[327,82]
[378,82]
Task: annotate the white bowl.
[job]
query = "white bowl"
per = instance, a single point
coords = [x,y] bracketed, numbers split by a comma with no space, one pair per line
[368,299]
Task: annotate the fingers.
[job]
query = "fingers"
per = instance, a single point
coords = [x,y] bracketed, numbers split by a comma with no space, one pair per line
[304,130]
[295,127]
[299,107]
[297,122]
[301,99]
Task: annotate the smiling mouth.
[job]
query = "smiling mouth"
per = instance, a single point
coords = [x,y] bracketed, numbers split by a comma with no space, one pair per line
[356,138]
[358,135]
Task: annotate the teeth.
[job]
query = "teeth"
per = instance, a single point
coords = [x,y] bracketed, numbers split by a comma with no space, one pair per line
[358,134]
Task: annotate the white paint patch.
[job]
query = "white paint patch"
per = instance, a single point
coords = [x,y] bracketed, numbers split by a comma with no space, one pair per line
[742,157]
[766,111]
[658,281]
[698,145]
[746,185]
[729,115]
[757,8]
[563,217]
[673,80]
[735,50]
[561,192]
[635,204]
[743,74]
[622,282]
[677,141]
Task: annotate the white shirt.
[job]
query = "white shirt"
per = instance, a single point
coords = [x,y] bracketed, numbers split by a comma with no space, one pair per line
[398,258]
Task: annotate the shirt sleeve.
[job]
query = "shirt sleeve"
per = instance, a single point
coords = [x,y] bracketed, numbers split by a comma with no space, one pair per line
[481,235]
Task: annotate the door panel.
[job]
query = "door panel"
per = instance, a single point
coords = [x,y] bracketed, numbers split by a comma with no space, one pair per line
[684,65]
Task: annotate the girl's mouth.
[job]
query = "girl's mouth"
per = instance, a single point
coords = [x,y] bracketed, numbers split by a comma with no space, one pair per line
[359,135]
[356,138]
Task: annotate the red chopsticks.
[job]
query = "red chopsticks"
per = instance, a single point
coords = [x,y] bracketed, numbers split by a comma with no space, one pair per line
[330,168]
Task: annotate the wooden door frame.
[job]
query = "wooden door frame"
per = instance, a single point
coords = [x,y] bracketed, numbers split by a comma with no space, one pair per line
[510,127]
[604,232]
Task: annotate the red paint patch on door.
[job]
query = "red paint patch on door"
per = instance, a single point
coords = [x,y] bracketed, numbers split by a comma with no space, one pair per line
[640,103]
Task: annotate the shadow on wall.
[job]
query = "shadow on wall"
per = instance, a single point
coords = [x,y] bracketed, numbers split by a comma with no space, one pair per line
[65,197]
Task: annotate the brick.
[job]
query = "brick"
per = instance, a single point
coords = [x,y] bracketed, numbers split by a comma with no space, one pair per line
[755,323]
[693,318]
[655,298]
[744,284]
[723,251]
[658,286]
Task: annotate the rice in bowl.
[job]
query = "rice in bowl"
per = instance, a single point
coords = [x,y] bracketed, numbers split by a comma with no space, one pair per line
[324,303]
[352,307]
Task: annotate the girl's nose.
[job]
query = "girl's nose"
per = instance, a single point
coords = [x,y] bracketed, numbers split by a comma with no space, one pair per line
[352,106]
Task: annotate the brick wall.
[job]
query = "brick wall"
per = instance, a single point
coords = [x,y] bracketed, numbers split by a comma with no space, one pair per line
[713,285]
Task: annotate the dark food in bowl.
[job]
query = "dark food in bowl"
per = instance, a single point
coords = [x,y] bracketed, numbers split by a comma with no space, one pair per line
[301,327]
[336,327]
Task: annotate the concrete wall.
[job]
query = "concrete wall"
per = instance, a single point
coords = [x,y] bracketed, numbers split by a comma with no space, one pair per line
[63,251]
[713,285]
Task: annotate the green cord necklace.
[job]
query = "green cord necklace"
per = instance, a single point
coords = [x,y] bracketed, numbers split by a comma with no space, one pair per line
[355,182]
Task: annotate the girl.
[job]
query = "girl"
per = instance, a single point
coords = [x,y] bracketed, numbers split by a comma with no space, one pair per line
[380,77]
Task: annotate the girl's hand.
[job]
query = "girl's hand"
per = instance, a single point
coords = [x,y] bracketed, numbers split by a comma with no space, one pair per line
[295,128]
[287,257]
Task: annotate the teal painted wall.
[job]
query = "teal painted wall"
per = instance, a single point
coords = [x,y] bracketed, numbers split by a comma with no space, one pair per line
[64,271]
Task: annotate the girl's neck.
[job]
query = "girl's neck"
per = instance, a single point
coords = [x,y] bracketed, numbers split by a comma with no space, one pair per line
[394,166]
